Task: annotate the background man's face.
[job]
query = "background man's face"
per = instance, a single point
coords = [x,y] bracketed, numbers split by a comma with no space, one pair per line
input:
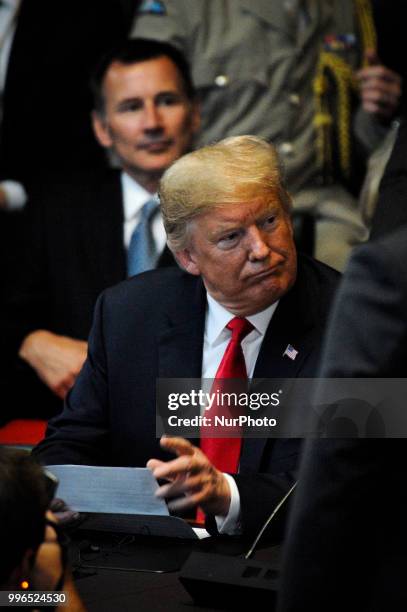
[148,121]
[245,254]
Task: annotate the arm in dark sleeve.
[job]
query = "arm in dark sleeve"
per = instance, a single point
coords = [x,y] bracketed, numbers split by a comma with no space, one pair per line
[367,331]
[342,510]
[259,496]
[261,492]
[331,550]
[80,434]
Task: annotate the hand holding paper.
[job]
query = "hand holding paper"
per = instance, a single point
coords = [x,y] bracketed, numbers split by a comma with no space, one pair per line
[193,480]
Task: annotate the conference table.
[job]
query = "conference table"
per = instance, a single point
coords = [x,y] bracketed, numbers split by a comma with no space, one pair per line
[119,572]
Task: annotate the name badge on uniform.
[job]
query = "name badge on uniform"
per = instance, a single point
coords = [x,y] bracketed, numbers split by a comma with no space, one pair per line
[339,42]
[152,7]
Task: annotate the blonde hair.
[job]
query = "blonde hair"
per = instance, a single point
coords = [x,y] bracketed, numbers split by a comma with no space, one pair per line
[236,169]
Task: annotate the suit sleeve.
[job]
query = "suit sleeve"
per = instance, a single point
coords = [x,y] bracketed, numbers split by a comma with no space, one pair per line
[367,331]
[259,496]
[331,551]
[269,483]
[344,506]
[80,434]
[391,210]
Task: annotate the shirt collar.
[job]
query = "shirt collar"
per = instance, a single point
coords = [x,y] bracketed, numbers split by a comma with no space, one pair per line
[10,4]
[218,317]
[134,196]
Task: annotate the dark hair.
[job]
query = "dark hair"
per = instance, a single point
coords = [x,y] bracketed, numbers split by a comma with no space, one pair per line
[23,503]
[131,52]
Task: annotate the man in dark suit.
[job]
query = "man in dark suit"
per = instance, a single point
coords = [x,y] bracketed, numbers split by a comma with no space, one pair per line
[82,227]
[45,99]
[347,541]
[227,217]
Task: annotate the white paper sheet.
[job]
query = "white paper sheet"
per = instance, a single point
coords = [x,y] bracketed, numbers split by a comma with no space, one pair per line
[117,490]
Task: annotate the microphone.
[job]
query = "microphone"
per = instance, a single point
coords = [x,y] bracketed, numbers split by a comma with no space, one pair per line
[268,521]
[230,582]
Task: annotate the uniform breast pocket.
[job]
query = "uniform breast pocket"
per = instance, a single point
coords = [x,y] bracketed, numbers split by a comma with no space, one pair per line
[233,96]
[223,74]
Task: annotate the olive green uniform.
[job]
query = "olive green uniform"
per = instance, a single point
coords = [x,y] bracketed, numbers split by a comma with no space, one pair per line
[253,63]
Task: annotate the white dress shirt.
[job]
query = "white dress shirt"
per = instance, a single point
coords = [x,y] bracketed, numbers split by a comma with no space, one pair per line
[134,198]
[8,21]
[216,339]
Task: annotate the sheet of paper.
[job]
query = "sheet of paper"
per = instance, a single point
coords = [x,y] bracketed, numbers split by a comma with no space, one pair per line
[115,490]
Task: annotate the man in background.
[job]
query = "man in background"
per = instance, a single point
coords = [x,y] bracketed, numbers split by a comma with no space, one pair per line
[288,72]
[46,54]
[92,230]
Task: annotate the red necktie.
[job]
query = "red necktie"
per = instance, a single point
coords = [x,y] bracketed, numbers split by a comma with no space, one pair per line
[224,453]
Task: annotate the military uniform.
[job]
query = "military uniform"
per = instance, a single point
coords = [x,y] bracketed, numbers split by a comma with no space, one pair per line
[254,63]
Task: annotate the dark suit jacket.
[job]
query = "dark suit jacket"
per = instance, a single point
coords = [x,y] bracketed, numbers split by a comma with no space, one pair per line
[391,209]
[74,251]
[152,327]
[347,542]
[47,102]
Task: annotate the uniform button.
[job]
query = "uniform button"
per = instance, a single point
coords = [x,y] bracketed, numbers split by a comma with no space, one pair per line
[291,6]
[294,99]
[221,80]
[286,148]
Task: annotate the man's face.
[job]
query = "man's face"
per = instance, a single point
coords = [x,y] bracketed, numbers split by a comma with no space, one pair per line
[245,254]
[148,120]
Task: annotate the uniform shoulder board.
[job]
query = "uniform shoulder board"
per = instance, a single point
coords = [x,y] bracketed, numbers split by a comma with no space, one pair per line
[152,7]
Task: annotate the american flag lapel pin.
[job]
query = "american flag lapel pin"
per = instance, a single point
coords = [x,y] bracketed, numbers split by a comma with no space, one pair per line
[290,352]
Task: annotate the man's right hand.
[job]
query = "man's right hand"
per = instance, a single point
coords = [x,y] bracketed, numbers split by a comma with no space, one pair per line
[56,359]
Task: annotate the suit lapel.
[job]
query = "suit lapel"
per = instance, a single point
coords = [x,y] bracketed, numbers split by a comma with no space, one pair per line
[293,324]
[180,343]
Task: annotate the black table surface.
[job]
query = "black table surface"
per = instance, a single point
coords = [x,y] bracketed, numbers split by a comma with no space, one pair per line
[117,572]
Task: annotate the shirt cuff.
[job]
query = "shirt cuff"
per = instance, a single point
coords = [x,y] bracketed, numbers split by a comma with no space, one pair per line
[230,524]
[16,196]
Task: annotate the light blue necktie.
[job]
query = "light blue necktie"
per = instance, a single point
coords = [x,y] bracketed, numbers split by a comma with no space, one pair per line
[142,252]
